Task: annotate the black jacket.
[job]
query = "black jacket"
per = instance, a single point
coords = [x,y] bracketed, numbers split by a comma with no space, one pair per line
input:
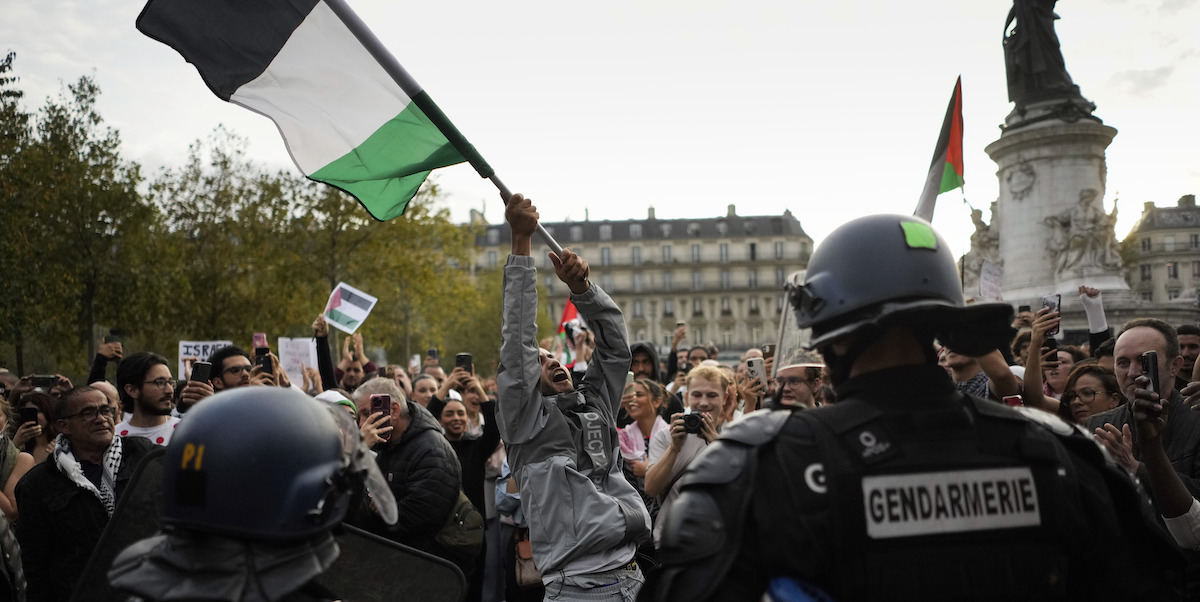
[61,522]
[473,455]
[423,472]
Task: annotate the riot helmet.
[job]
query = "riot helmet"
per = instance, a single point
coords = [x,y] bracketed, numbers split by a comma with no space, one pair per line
[881,270]
[256,463]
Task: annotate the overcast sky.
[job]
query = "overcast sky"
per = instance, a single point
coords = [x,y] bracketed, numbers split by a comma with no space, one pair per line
[829,109]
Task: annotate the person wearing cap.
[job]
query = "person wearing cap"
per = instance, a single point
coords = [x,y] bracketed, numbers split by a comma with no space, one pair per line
[795,385]
[906,488]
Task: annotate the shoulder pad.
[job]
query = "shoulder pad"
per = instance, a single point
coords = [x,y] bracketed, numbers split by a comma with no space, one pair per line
[756,428]
[722,462]
[692,528]
[1049,421]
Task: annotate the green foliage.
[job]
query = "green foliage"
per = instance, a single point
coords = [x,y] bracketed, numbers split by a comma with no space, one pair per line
[77,225]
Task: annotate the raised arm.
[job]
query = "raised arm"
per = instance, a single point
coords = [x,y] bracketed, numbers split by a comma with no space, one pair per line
[519,408]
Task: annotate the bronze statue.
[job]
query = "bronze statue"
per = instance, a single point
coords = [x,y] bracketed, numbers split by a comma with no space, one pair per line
[1034,62]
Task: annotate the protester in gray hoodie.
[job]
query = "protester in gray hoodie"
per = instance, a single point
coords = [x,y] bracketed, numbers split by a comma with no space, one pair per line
[585,519]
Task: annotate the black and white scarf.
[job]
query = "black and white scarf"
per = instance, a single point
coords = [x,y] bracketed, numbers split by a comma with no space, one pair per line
[111,463]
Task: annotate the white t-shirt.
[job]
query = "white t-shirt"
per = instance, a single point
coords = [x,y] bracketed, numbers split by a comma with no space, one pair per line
[160,434]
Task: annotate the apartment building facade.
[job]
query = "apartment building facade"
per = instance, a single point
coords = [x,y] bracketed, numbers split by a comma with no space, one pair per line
[723,276]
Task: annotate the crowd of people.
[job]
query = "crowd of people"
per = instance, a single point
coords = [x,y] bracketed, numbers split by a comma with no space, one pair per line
[636,472]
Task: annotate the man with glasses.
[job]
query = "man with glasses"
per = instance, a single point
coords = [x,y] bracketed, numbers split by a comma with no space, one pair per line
[67,501]
[147,389]
[796,384]
[231,368]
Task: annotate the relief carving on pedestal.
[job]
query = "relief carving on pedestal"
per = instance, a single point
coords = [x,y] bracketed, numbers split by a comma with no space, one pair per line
[1020,181]
[985,245]
[1083,237]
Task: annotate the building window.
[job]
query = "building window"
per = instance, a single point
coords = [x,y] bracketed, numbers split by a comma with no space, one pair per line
[725,279]
[727,339]
[1146,244]
[753,251]
[1148,296]
[605,256]
[752,305]
[638,312]
[724,252]
[635,230]
[1172,269]
[666,253]
[780,277]
[491,259]
[1169,243]
[548,281]
[605,231]
[779,250]
[576,233]
[1196,269]
[697,310]
[1145,272]
[606,283]
[668,307]
[697,280]
[668,281]
[1172,294]
[1194,241]
[666,230]
[722,228]
[695,253]
[752,278]
[635,256]
[779,304]
[726,306]
[493,236]
[638,284]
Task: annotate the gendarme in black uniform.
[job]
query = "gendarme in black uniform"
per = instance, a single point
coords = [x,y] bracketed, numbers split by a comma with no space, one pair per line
[906,489]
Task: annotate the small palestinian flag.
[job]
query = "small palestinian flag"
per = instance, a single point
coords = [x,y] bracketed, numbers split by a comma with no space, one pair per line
[348,307]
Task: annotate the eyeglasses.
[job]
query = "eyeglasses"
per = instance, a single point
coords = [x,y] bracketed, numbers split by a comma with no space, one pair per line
[238,369]
[90,413]
[1087,394]
[793,381]
[162,383]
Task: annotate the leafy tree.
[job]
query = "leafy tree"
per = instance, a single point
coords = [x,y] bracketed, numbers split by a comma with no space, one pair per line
[81,225]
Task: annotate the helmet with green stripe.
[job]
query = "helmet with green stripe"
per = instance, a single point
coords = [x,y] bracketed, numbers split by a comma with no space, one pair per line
[882,270]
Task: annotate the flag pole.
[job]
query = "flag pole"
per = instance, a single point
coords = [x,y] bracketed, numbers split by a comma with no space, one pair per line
[420,98]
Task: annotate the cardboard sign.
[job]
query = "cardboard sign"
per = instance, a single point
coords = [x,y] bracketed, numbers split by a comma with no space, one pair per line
[294,354]
[199,350]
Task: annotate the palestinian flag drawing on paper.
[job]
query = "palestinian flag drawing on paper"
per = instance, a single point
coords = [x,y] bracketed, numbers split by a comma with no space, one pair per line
[348,307]
[344,119]
[946,170]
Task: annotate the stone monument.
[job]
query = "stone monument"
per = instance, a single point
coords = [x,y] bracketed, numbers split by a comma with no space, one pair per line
[1049,230]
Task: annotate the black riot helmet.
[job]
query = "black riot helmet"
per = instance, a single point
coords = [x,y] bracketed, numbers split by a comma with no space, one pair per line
[882,270]
[256,463]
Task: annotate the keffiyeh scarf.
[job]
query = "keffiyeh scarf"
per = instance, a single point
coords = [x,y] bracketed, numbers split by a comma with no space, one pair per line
[109,466]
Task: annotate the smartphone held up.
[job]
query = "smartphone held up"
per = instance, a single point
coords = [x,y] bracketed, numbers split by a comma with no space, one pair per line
[1054,304]
[262,353]
[382,403]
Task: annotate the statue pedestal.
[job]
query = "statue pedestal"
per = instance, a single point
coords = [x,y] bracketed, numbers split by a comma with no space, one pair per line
[1045,168]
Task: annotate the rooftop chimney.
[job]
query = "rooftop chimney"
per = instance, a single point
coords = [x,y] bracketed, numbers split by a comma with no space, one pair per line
[650,213]
[732,212]
[1188,200]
